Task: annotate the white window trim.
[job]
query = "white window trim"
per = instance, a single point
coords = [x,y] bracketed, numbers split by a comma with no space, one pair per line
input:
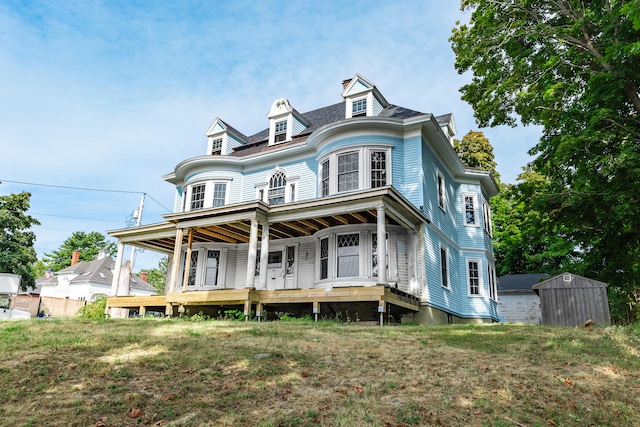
[208,193]
[272,128]
[349,104]
[442,201]
[212,138]
[364,167]
[486,217]
[481,290]
[201,268]
[446,258]
[291,190]
[493,286]
[475,209]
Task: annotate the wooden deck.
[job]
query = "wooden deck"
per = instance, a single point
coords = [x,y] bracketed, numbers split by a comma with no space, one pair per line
[175,302]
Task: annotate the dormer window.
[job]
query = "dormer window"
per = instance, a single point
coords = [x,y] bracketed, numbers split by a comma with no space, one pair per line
[359,108]
[280,134]
[216,146]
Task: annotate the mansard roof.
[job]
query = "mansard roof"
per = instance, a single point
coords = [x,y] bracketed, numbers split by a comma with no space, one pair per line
[317,119]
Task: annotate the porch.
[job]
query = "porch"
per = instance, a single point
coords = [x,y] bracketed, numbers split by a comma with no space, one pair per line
[317,302]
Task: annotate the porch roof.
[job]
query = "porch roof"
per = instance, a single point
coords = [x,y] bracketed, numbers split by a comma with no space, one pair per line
[231,223]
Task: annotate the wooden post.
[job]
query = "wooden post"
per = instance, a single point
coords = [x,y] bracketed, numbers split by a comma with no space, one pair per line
[316,310]
[247,310]
[175,263]
[381,310]
[259,311]
[264,256]
[382,246]
[143,310]
[187,263]
[168,310]
[251,257]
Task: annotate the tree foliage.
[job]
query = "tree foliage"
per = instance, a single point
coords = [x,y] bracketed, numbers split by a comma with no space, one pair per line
[158,275]
[572,67]
[476,151]
[89,245]
[17,253]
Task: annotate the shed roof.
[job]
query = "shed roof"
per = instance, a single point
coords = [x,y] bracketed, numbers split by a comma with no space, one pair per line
[568,280]
[519,282]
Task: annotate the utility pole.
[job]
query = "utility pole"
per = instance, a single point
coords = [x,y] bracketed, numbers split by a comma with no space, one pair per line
[138,215]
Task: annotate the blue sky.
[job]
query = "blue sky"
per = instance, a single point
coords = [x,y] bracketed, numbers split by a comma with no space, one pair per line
[112,95]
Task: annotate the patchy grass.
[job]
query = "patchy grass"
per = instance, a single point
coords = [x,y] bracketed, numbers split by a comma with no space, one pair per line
[161,372]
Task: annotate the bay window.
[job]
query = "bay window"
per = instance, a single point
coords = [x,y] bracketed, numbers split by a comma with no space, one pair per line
[354,169]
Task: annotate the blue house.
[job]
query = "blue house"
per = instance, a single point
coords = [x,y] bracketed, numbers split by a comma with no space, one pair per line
[360,208]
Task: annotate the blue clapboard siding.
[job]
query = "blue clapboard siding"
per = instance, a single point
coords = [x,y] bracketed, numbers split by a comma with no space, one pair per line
[408,173]
[297,126]
[177,201]
[232,143]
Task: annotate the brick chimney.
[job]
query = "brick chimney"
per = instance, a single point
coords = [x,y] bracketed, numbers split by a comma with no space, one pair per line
[144,276]
[345,83]
[75,257]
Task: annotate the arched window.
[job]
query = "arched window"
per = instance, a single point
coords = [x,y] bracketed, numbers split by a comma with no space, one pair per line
[277,187]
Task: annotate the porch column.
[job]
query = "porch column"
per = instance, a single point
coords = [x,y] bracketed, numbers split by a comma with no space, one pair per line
[382,246]
[411,255]
[175,264]
[251,257]
[116,270]
[187,264]
[264,255]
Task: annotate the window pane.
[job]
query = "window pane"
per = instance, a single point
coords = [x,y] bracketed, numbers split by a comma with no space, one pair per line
[469,210]
[213,261]
[274,260]
[193,264]
[219,193]
[444,268]
[197,196]
[216,146]
[378,169]
[348,255]
[348,172]
[359,108]
[325,178]
[291,260]
[474,278]
[277,185]
[324,258]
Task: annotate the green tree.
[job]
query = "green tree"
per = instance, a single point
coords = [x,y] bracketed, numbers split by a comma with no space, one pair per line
[17,253]
[571,67]
[89,245]
[476,151]
[158,275]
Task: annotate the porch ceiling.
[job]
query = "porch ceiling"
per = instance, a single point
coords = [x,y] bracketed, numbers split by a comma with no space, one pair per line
[232,224]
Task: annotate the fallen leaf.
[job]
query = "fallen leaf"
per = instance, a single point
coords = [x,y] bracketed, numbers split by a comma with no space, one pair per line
[551,422]
[135,412]
[358,389]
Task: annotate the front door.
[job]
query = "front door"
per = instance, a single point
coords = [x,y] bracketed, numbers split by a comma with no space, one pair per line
[275,267]
[291,268]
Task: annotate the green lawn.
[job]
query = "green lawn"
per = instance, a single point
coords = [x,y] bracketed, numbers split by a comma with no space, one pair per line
[159,372]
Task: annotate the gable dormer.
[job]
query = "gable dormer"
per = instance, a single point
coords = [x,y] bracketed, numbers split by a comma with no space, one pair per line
[284,122]
[447,125]
[362,98]
[222,138]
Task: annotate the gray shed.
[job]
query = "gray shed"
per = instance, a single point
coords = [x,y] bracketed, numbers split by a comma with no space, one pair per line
[571,300]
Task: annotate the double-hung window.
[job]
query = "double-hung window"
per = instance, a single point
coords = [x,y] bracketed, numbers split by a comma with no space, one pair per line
[216,146]
[486,216]
[280,131]
[348,255]
[219,194]
[470,205]
[324,258]
[348,172]
[197,196]
[473,273]
[324,183]
[491,277]
[441,190]
[378,168]
[212,267]
[444,267]
[359,107]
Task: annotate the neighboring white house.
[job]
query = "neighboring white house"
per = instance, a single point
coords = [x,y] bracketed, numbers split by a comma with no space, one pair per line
[361,205]
[517,302]
[9,289]
[85,281]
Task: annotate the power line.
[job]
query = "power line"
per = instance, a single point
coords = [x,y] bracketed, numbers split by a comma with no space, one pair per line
[87,189]
[75,217]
